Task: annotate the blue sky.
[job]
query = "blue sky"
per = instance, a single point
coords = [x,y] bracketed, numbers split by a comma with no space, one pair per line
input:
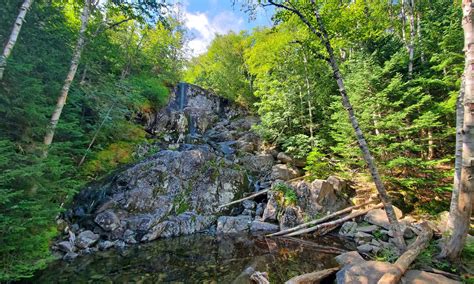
[205,18]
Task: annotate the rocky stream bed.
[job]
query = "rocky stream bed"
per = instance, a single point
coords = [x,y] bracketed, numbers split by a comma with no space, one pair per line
[166,219]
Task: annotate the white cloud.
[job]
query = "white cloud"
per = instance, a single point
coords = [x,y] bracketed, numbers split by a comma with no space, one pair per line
[203,28]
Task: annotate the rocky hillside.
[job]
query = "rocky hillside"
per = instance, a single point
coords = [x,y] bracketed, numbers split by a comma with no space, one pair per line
[206,156]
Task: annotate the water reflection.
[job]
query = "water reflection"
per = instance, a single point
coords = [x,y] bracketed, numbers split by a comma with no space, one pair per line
[198,259]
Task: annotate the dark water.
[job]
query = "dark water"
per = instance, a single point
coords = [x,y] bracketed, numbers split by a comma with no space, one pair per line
[198,259]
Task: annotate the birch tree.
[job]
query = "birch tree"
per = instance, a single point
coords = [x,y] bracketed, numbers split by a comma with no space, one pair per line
[462,198]
[320,31]
[7,50]
[48,138]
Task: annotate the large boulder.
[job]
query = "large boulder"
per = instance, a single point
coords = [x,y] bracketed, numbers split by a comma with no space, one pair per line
[271,209]
[257,164]
[379,217]
[321,196]
[171,193]
[423,277]
[86,239]
[366,272]
[233,224]
[285,172]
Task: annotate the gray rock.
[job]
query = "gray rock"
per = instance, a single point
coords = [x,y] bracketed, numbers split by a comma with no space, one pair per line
[66,246]
[379,217]
[365,248]
[233,225]
[183,224]
[86,239]
[292,217]
[105,245]
[352,257]
[362,238]
[70,256]
[338,184]
[248,212]
[367,272]
[271,209]
[348,229]
[249,204]
[319,196]
[368,229]
[258,226]
[284,158]
[260,209]
[129,237]
[285,172]
[107,220]
[258,164]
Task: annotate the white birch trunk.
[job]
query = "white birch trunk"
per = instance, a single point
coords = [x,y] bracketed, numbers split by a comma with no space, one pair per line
[461,207]
[48,138]
[14,35]
[411,46]
[403,18]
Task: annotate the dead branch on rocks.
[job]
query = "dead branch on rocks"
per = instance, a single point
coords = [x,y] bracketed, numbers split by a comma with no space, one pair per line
[313,277]
[318,247]
[245,198]
[320,220]
[324,228]
[404,261]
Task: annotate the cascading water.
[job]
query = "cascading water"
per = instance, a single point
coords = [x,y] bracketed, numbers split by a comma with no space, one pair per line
[181,98]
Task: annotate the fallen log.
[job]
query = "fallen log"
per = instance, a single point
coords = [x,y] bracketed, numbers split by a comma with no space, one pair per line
[404,261]
[313,277]
[245,198]
[320,220]
[329,226]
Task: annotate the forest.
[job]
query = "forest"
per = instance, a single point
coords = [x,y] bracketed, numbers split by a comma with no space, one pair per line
[82,81]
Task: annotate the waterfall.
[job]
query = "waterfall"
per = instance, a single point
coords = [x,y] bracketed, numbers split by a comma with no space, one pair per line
[181,97]
[192,125]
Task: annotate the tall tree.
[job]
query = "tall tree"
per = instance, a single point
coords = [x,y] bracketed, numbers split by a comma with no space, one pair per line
[463,195]
[14,35]
[48,138]
[321,33]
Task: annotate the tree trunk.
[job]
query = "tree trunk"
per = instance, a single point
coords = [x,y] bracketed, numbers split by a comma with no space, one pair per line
[461,212]
[310,107]
[411,46]
[397,233]
[403,18]
[48,138]
[458,157]
[418,31]
[14,35]
[322,34]
[431,149]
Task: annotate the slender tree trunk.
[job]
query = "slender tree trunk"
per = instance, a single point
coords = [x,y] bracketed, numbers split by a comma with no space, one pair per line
[461,207]
[418,31]
[431,148]
[308,89]
[458,156]
[404,19]
[411,46]
[14,35]
[48,138]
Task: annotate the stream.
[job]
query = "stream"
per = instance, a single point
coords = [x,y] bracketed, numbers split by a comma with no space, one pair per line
[199,258]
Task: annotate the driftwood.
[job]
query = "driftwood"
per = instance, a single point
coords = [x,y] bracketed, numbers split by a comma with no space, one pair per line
[245,198]
[320,220]
[441,272]
[313,277]
[329,226]
[404,261]
[259,277]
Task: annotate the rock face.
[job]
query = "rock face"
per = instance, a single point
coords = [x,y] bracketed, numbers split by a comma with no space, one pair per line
[177,190]
[233,225]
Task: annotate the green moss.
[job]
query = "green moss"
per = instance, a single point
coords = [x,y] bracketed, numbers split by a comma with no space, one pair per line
[286,195]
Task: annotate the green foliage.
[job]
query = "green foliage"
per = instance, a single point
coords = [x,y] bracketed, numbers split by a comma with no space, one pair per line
[123,77]
[317,165]
[286,195]
[386,254]
[428,258]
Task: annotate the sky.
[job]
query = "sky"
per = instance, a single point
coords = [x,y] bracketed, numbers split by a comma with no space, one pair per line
[206,18]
